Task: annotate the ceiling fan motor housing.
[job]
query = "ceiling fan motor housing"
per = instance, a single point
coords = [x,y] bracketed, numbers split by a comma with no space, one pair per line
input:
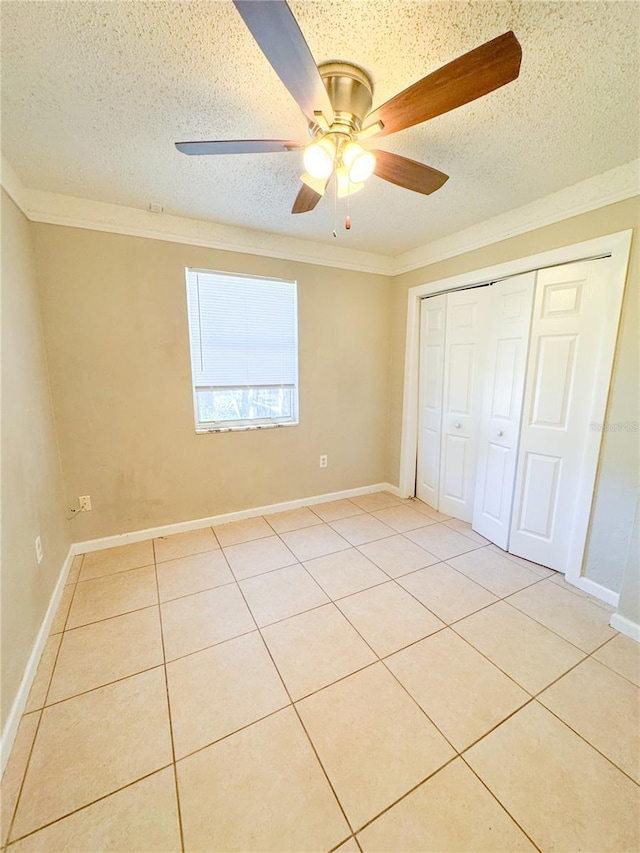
[350,91]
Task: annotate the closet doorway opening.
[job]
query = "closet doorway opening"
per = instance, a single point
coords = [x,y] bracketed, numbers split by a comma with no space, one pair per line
[505,369]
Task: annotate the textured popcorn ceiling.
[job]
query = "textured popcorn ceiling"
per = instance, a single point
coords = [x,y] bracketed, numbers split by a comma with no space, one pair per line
[94,94]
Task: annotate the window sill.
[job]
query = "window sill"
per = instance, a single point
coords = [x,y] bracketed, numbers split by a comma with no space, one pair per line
[244,427]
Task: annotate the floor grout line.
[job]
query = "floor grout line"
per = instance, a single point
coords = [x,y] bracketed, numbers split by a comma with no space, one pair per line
[501,804]
[297,713]
[336,681]
[345,841]
[89,804]
[168,699]
[108,618]
[100,686]
[245,541]
[610,668]
[406,794]
[215,550]
[588,742]
[115,573]
[553,631]
[105,619]
[538,579]
[493,663]
[497,725]
[228,735]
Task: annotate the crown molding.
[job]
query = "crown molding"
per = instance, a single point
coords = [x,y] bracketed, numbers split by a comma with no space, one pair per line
[12,184]
[75,212]
[614,185]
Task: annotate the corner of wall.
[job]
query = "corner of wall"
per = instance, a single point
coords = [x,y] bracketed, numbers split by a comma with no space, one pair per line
[32,489]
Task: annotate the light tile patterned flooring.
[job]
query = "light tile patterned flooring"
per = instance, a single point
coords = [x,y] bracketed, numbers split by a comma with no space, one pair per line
[364,674]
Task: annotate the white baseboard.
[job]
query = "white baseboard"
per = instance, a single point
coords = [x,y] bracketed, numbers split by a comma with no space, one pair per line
[20,702]
[597,590]
[625,626]
[184,526]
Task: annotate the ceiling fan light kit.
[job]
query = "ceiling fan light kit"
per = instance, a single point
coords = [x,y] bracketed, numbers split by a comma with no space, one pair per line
[358,162]
[335,148]
[336,98]
[319,158]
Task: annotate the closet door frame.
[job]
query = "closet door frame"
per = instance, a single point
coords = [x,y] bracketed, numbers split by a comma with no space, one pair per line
[618,247]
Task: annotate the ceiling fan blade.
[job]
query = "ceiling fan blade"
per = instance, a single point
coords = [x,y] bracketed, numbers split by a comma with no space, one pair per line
[306,200]
[238,146]
[468,77]
[279,37]
[408,173]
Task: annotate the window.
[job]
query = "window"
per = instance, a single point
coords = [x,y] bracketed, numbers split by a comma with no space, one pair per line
[244,350]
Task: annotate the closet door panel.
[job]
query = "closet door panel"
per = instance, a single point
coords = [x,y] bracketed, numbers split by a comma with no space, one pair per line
[432,340]
[566,339]
[467,313]
[454,455]
[508,340]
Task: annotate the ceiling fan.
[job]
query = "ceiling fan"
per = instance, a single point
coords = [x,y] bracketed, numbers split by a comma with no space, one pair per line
[336,98]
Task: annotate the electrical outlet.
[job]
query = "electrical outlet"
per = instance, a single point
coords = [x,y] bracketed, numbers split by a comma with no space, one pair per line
[324,460]
[84,502]
[39,549]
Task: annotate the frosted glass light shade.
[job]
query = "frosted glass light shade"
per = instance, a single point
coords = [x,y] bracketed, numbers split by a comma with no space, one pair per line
[318,185]
[318,158]
[345,186]
[360,163]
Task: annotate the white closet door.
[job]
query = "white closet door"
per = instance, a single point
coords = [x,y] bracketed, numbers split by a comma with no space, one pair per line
[432,336]
[566,337]
[467,314]
[510,305]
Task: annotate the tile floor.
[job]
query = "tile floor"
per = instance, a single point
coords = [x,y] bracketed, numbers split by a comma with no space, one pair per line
[364,674]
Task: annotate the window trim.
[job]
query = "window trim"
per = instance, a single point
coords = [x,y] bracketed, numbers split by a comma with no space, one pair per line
[203,427]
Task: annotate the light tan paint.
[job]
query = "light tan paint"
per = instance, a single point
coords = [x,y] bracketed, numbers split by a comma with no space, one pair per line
[629,606]
[618,474]
[117,340]
[32,495]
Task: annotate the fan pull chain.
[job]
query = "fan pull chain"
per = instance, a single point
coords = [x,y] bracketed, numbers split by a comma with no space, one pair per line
[347,222]
[335,207]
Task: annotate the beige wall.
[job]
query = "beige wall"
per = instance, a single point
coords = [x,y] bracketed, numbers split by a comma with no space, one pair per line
[629,606]
[31,481]
[117,342]
[618,475]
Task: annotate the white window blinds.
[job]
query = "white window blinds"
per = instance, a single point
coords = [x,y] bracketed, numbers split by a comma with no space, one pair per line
[243,330]
[244,350]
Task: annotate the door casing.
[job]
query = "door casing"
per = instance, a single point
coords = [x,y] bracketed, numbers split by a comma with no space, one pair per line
[617,246]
